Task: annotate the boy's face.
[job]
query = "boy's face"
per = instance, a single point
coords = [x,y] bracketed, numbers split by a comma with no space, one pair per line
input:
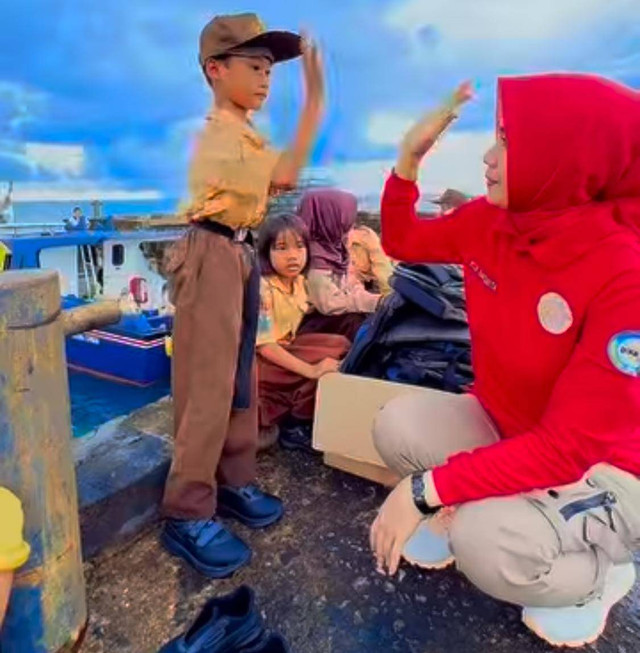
[243,80]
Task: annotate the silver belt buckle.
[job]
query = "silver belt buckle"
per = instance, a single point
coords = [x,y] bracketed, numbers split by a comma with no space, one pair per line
[240,235]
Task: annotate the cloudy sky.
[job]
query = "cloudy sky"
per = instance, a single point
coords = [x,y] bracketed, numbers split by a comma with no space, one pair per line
[104,97]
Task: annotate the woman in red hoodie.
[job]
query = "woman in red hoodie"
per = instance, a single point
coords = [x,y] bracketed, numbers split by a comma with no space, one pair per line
[542,460]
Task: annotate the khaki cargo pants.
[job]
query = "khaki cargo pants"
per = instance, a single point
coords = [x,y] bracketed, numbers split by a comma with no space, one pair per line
[549,548]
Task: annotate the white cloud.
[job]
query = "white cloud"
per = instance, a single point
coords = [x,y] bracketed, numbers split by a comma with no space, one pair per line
[58,159]
[387,127]
[79,190]
[497,20]
[19,105]
[487,34]
[455,162]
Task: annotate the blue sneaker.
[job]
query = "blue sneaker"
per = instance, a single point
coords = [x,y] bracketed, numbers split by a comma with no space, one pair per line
[273,644]
[225,624]
[207,545]
[577,626]
[249,505]
[427,549]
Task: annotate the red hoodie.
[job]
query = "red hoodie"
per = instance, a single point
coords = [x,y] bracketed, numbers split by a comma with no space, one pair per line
[553,287]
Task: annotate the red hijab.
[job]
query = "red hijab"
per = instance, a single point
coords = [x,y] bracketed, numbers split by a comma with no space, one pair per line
[573,163]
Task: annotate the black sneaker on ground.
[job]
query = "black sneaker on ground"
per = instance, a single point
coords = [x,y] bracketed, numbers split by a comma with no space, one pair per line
[296,435]
[226,623]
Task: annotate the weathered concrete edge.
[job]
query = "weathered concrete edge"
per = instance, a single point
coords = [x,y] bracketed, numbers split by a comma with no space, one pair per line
[120,474]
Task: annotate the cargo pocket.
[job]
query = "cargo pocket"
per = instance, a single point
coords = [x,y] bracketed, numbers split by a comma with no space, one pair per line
[175,260]
[586,516]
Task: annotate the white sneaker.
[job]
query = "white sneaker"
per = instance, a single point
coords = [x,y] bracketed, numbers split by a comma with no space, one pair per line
[427,549]
[577,626]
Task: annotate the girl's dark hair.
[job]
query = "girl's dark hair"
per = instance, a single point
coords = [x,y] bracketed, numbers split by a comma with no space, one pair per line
[269,233]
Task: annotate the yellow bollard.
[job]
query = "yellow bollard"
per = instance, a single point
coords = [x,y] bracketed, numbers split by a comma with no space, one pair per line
[47,611]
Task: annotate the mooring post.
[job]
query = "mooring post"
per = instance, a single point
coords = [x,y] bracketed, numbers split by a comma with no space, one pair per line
[47,610]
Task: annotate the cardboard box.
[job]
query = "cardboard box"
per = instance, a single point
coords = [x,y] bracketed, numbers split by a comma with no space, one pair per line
[346,409]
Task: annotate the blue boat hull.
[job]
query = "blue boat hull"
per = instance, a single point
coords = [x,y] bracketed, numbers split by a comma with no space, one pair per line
[130,351]
[119,358]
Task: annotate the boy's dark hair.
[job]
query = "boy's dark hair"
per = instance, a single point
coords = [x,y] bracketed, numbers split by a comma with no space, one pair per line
[77,208]
[269,233]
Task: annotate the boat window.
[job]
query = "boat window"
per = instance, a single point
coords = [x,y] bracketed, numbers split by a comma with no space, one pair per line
[117,255]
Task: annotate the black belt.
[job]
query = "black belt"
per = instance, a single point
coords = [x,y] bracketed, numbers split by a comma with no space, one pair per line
[237,235]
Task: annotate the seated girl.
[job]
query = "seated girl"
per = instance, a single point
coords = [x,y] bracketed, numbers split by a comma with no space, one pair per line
[289,364]
[368,263]
[340,302]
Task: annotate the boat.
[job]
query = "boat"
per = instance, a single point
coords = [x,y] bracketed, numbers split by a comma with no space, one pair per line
[122,261]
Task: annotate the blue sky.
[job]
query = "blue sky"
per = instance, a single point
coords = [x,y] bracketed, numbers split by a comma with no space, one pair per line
[99,98]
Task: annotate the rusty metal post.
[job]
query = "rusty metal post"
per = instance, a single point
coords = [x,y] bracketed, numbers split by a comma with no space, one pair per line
[47,610]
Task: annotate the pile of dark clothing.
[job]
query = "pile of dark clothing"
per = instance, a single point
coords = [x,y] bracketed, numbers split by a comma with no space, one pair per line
[420,334]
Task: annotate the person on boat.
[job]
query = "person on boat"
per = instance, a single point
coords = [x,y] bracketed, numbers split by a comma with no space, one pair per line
[368,263]
[14,551]
[340,302]
[6,206]
[538,468]
[77,221]
[289,365]
[215,287]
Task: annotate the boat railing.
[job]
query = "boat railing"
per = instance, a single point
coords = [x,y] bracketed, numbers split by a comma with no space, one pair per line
[31,228]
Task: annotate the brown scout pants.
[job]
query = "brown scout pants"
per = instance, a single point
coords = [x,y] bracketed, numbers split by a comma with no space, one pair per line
[282,392]
[213,443]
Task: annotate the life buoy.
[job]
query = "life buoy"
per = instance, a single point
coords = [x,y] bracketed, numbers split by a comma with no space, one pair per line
[139,290]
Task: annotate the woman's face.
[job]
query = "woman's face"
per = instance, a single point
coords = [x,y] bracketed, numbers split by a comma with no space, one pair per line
[496,161]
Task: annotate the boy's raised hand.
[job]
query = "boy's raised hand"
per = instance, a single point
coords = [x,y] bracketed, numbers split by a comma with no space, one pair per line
[313,73]
[294,158]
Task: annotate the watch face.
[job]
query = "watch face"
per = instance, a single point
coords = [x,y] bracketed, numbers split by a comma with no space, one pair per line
[418,488]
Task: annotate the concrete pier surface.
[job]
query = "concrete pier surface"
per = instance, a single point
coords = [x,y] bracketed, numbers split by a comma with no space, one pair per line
[315,581]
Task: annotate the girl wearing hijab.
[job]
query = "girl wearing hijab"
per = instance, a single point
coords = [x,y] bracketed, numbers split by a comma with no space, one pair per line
[340,301]
[538,468]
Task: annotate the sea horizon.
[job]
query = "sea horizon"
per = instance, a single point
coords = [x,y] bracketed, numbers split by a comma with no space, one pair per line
[30,211]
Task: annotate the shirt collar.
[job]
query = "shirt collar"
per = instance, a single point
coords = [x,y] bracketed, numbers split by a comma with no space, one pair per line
[247,128]
[275,282]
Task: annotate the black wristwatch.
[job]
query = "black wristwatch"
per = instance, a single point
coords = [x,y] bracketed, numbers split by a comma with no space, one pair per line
[418,490]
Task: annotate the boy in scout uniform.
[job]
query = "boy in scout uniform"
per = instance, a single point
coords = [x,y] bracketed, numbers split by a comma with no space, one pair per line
[215,289]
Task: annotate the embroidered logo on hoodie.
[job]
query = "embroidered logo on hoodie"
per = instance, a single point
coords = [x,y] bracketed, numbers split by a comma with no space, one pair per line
[624,352]
[554,313]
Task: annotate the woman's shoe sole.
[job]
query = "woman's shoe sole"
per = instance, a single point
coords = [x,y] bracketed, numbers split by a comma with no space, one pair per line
[589,639]
[430,566]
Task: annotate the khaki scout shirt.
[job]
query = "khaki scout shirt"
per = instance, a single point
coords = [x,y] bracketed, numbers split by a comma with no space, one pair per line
[281,311]
[230,173]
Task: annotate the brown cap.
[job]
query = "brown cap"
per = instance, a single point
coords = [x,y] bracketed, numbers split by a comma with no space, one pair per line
[242,33]
[451,197]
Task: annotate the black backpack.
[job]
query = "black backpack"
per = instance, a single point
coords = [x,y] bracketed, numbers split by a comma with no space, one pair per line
[420,334]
